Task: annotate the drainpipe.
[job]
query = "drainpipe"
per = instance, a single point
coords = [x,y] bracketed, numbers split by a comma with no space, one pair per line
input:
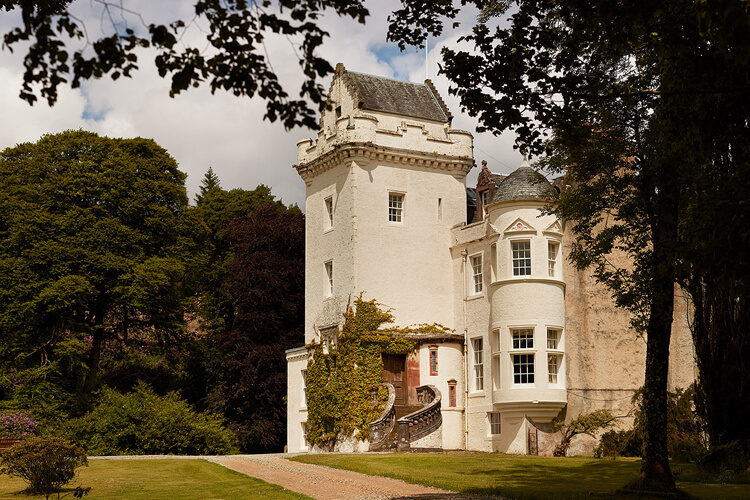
[464,254]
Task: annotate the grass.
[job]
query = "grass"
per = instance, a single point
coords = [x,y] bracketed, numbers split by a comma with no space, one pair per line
[521,477]
[159,479]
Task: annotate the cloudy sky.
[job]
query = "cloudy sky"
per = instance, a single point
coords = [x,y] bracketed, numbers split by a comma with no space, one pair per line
[227,133]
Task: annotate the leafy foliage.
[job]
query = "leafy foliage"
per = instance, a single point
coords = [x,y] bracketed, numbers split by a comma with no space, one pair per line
[338,382]
[45,463]
[144,423]
[263,315]
[95,244]
[685,433]
[236,30]
[588,423]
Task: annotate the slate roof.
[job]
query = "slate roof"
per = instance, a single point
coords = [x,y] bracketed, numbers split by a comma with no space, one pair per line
[524,184]
[415,100]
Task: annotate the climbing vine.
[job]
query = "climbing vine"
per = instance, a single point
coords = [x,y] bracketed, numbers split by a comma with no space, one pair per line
[339,401]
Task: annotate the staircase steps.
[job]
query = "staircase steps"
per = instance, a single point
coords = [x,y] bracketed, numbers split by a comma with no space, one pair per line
[401,411]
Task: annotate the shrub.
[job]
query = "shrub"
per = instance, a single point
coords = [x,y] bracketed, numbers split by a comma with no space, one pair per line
[143,422]
[17,425]
[619,444]
[725,459]
[45,463]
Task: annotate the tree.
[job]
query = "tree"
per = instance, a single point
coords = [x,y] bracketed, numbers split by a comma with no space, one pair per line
[209,183]
[622,97]
[95,244]
[264,316]
[237,62]
[588,423]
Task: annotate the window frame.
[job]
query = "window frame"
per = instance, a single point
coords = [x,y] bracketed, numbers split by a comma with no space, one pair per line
[304,387]
[520,360]
[396,214]
[329,278]
[495,420]
[477,278]
[557,366]
[478,363]
[328,203]
[433,360]
[552,259]
[523,355]
[452,393]
[524,262]
[555,350]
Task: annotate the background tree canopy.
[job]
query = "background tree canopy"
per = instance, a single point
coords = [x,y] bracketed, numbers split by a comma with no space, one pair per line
[109,279]
[95,243]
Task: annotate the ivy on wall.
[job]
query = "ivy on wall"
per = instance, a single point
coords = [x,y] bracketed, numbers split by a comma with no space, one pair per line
[339,402]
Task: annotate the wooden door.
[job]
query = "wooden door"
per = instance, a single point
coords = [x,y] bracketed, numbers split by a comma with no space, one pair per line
[394,369]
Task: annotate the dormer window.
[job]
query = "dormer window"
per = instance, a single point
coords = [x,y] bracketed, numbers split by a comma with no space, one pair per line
[338,112]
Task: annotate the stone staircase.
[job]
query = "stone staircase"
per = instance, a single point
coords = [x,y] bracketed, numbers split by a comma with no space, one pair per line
[399,426]
[401,411]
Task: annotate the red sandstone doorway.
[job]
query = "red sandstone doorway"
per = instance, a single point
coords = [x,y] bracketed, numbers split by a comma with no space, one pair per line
[394,372]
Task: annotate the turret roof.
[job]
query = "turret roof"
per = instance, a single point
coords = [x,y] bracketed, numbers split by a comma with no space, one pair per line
[524,184]
[376,93]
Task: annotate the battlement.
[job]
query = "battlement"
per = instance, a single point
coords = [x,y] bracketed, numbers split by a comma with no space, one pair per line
[388,114]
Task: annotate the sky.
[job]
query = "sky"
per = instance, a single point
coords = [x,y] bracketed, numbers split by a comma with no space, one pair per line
[202,130]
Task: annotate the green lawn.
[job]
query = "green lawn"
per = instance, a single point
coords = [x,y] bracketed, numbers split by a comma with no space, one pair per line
[160,479]
[520,476]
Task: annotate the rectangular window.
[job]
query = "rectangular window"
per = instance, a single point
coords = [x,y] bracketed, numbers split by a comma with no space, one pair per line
[485,199]
[553,367]
[494,423]
[523,338]
[433,361]
[552,258]
[476,273]
[329,212]
[329,276]
[440,210]
[395,207]
[304,387]
[553,339]
[477,345]
[304,435]
[521,258]
[493,262]
[523,368]
[452,394]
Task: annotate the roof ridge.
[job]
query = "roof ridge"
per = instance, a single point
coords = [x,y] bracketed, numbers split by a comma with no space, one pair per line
[436,95]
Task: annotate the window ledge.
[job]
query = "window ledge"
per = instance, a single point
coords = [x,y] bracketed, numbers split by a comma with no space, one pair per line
[475,296]
[552,281]
[326,231]
[477,394]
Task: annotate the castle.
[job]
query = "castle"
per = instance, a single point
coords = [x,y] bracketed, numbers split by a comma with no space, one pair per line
[388,214]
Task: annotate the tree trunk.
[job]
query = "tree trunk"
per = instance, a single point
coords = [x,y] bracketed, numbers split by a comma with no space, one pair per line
[656,474]
[94,356]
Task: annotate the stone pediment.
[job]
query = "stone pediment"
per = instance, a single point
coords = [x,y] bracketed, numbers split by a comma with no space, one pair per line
[555,227]
[520,225]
